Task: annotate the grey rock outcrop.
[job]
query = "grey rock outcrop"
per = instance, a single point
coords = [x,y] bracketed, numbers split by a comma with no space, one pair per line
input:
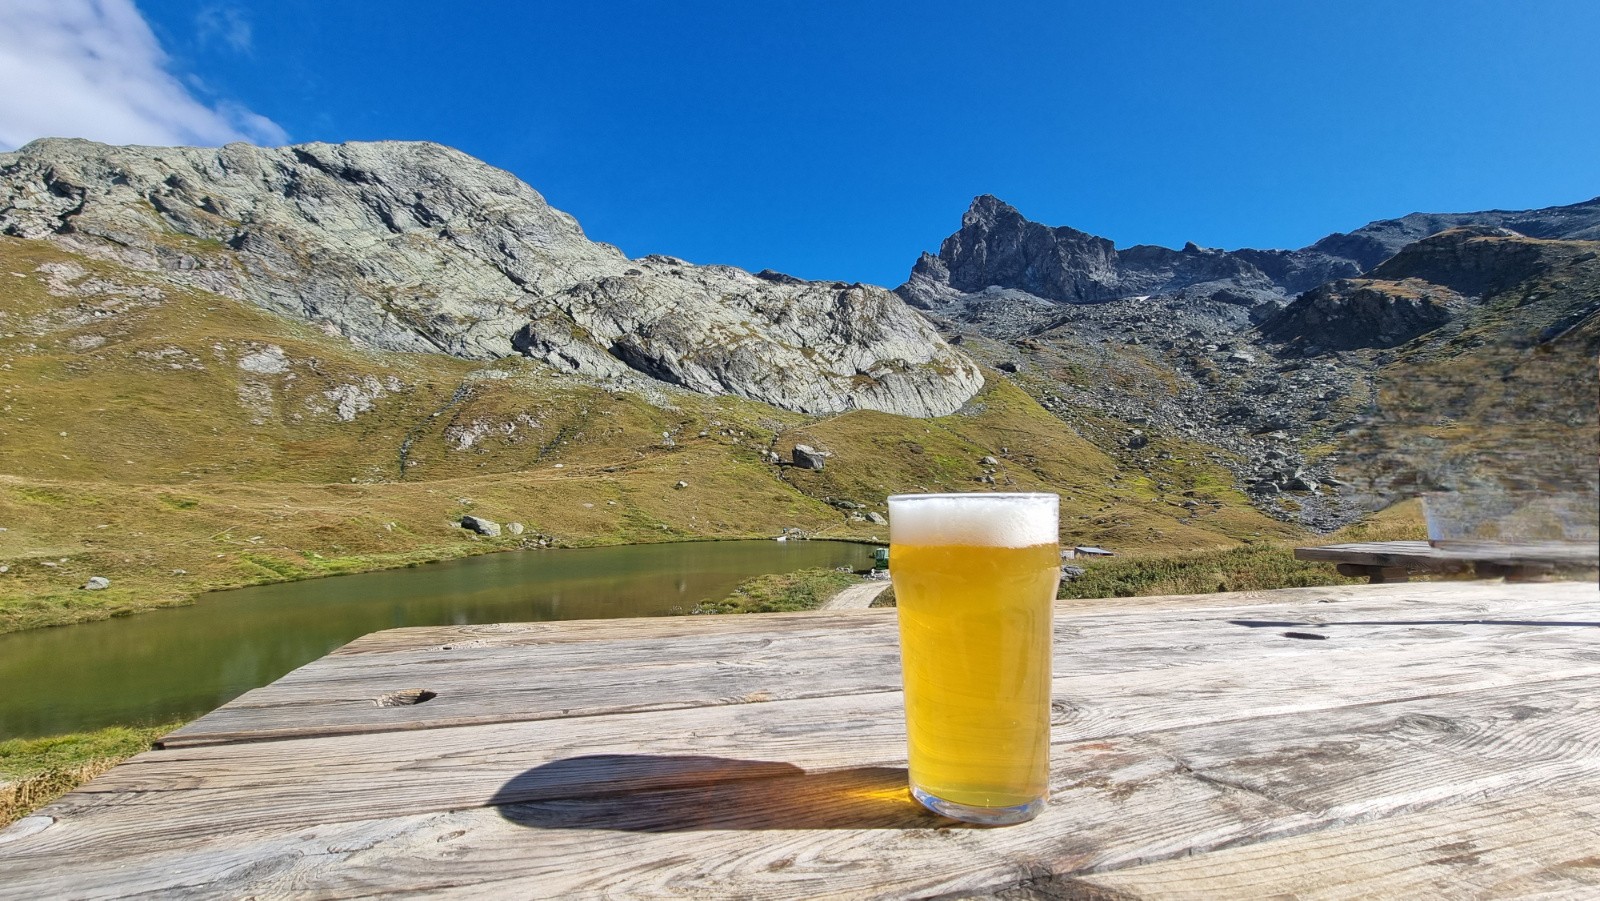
[1352,313]
[486,527]
[1471,260]
[97,583]
[812,346]
[1418,289]
[417,247]
[808,457]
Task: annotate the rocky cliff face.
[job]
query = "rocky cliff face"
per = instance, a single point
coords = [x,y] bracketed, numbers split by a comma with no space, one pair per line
[1359,312]
[417,247]
[998,247]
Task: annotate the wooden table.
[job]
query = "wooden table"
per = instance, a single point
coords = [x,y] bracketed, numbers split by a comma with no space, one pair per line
[1358,741]
[1394,561]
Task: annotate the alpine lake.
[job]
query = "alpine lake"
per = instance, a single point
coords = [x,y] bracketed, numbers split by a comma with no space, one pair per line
[182,662]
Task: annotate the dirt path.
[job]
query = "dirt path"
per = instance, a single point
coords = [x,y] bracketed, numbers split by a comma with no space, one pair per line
[855,597]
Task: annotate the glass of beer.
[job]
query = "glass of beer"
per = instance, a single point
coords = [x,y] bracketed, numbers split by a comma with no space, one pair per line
[975,578]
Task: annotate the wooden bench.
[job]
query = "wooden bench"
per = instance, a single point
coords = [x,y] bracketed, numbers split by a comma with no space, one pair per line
[1352,741]
[1395,561]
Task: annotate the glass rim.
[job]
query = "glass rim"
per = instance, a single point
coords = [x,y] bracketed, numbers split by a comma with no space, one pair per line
[988,495]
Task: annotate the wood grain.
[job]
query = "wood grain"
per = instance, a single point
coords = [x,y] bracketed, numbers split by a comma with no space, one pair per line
[506,681]
[1436,736]
[679,627]
[1544,843]
[644,826]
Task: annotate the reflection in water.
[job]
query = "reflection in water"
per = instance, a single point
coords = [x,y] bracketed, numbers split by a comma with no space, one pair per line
[180,663]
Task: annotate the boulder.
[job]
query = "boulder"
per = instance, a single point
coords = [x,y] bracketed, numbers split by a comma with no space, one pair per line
[1301,483]
[876,518]
[96,583]
[487,527]
[515,528]
[808,457]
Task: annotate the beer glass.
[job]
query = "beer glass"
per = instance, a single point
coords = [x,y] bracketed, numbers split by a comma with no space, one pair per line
[975,578]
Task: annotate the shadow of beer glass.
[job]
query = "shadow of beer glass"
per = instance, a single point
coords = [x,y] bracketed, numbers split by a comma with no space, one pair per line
[677,793]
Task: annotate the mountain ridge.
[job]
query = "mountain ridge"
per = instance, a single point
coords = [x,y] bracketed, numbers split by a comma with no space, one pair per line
[997,246]
[417,247]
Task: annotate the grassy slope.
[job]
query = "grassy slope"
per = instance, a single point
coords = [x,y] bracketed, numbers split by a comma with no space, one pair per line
[36,771]
[178,456]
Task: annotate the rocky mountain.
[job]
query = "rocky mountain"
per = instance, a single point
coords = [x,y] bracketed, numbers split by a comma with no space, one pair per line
[227,366]
[1261,363]
[1270,361]
[418,247]
[998,247]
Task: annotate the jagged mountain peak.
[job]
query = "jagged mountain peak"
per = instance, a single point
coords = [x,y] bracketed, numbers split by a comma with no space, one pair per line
[998,247]
[988,206]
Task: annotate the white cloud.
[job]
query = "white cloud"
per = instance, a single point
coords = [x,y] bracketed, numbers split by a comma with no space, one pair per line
[225,24]
[93,69]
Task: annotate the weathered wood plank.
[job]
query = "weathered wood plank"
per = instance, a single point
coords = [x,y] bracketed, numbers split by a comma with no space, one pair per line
[1180,732]
[855,597]
[767,825]
[503,683]
[850,833]
[233,786]
[1378,575]
[484,685]
[673,627]
[1420,555]
[1539,843]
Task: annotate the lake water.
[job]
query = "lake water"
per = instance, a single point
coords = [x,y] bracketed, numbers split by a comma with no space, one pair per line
[180,663]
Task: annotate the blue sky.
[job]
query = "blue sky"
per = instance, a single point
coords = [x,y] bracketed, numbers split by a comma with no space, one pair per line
[839,139]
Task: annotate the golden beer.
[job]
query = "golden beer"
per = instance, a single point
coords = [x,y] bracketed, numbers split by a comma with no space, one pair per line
[975,579]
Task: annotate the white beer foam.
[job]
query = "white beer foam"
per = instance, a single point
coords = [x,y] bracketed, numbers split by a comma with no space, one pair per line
[978,519]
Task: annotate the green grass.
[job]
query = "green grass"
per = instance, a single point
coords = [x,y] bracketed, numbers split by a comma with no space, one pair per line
[1248,568]
[36,771]
[805,589]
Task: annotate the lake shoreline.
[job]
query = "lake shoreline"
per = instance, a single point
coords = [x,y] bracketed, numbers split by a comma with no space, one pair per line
[189,659]
[126,603]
